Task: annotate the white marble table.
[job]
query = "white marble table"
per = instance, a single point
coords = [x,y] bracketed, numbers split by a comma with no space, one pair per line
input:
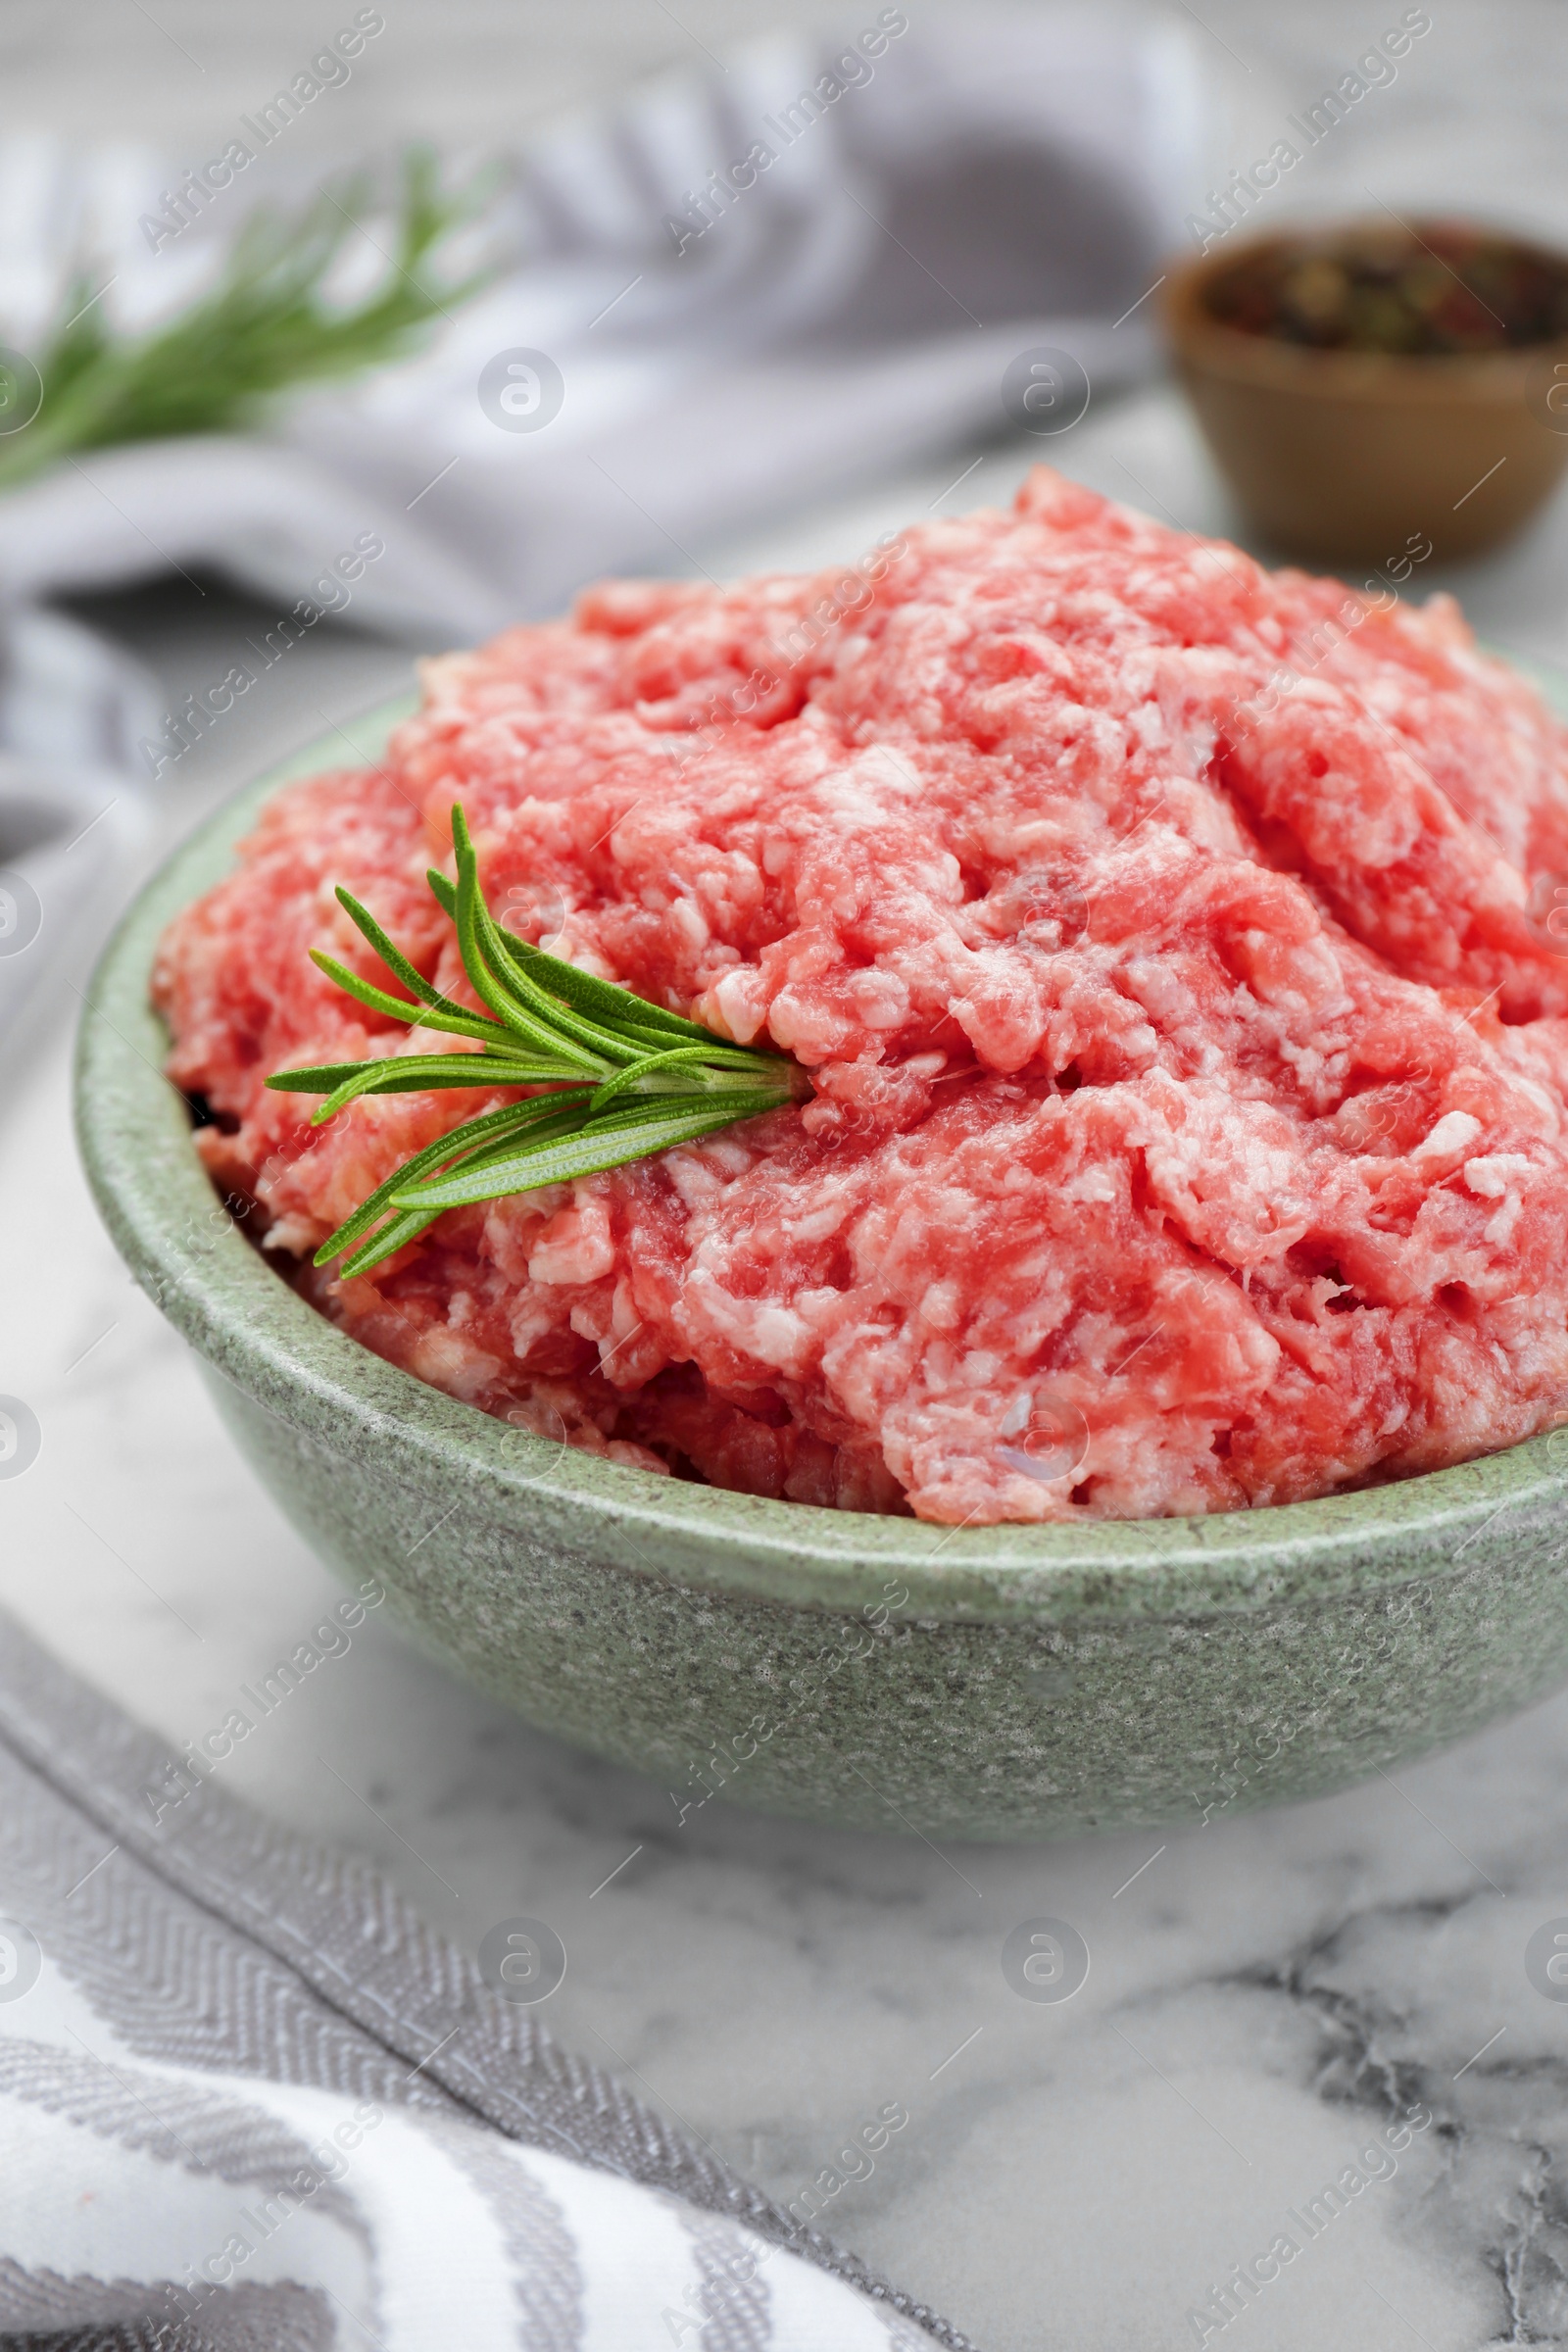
[1265,1992]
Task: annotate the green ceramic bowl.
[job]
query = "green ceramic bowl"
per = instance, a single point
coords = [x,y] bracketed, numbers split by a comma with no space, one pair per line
[1006,1682]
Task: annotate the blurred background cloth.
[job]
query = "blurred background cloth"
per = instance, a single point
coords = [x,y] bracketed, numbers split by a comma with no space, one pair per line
[730,335]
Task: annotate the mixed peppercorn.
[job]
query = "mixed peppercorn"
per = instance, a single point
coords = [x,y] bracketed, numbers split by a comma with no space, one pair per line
[1439,290]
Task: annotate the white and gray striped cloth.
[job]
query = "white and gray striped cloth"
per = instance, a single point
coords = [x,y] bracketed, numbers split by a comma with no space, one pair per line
[250,2102]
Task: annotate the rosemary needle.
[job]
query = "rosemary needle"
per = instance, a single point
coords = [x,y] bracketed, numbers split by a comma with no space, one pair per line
[267,322]
[627,1079]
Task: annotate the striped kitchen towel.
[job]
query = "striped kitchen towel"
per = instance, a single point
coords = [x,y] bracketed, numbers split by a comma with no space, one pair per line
[250,2101]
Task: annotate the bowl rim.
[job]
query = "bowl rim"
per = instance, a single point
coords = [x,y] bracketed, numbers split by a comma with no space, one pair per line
[1201,341]
[254,1329]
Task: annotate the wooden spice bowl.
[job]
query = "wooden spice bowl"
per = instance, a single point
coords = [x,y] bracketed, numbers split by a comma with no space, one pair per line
[1341,453]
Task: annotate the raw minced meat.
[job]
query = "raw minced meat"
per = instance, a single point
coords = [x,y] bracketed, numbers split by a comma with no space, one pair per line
[1172,946]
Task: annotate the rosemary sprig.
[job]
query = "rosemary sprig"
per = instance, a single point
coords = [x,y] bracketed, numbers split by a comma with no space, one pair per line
[627,1079]
[265,325]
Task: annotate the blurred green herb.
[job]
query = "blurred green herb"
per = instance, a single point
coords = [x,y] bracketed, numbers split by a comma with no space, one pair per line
[265,325]
[627,1079]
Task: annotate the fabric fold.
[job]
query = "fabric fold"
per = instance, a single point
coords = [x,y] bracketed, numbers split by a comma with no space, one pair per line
[247,2093]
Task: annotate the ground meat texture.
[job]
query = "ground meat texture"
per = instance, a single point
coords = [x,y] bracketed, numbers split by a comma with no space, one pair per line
[1173,948]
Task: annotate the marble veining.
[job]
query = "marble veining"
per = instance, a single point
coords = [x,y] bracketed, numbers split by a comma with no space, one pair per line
[1265,1992]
